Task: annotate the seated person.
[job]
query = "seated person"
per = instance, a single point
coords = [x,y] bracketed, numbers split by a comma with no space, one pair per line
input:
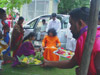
[50,43]
[43,28]
[26,48]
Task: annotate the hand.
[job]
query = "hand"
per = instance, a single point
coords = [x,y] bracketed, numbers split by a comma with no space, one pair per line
[42,35]
[43,48]
[77,70]
[45,63]
[23,31]
[57,46]
[66,36]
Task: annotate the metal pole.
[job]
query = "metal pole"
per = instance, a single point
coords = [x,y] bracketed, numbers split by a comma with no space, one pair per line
[35,8]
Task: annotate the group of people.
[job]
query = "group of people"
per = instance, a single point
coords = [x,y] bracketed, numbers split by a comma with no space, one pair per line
[55,23]
[23,46]
[79,26]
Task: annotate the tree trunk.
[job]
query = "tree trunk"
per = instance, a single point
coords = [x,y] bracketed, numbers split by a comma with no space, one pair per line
[92,28]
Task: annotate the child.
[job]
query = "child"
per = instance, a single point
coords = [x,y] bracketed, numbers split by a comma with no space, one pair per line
[3,47]
[26,48]
[51,43]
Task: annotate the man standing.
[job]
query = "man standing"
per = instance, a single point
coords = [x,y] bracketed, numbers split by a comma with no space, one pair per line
[54,23]
[79,22]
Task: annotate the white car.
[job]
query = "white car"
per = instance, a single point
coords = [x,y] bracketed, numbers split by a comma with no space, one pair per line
[36,23]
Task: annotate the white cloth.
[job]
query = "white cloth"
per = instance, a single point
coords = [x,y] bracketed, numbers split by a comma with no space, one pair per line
[1,26]
[68,32]
[56,24]
[43,28]
[71,42]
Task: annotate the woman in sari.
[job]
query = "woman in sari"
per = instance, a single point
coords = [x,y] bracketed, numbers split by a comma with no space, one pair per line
[26,48]
[50,43]
[17,36]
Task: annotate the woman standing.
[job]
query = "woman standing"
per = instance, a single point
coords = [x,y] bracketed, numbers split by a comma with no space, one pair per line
[50,44]
[17,36]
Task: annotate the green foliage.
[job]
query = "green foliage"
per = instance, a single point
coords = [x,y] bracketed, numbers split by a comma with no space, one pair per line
[66,5]
[10,4]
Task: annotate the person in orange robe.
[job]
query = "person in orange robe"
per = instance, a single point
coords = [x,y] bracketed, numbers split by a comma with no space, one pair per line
[50,43]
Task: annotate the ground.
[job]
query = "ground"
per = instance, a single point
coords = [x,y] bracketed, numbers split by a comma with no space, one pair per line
[35,70]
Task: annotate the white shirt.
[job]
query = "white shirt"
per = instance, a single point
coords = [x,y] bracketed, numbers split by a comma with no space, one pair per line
[43,28]
[56,24]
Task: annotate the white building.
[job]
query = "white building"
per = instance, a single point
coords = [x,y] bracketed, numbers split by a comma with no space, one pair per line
[39,7]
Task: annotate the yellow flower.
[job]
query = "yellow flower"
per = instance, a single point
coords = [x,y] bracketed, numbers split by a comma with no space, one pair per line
[35,59]
[30,58]
[25,59]
[65,50]
[64,54]
[36,63]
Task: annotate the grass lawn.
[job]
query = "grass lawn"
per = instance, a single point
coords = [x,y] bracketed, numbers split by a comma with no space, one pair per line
[35,70]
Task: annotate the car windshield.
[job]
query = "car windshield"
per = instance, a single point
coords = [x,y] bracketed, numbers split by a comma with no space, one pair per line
[32,23]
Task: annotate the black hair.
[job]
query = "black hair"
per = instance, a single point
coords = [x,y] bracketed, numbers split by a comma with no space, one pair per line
[20,18]
[2,11]
[0,34]
[5,27]
[99,18]
[43,20]
[53,15]
[80,14]
[32,34]
[53,31]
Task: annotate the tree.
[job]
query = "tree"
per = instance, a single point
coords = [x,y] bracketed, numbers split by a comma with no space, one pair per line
[11,4]
[67,5]
[92,28]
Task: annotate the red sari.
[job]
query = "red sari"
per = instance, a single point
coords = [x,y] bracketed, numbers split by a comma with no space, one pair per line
[16,39]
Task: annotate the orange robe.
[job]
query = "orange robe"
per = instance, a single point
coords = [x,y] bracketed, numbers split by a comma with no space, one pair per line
[50,44]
